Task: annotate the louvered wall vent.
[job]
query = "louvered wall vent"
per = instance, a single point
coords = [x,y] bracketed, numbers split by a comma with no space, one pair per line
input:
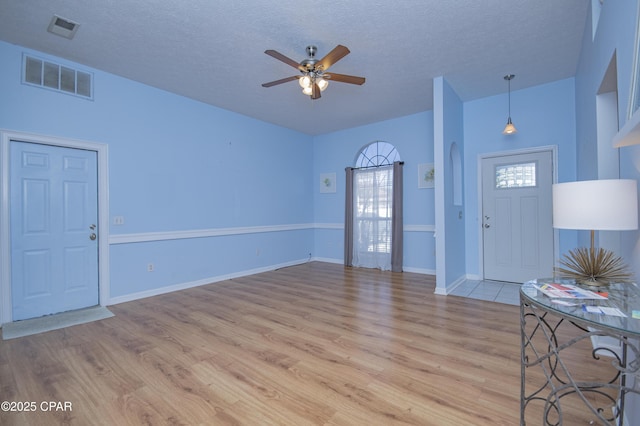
[58,77]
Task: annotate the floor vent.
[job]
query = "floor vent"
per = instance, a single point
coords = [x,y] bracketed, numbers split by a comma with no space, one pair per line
[49,75]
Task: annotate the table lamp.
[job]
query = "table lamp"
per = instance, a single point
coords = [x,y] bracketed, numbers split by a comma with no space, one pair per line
[603,205]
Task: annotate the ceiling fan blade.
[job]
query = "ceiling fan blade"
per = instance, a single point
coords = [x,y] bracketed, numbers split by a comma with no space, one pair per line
[332,57]
[315,92]
[343,78]
[279,56]
[282,80]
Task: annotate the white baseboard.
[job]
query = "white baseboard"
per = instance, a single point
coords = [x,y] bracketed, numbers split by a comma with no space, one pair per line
[183,286]
[422,271]
[328,260]
[445,291]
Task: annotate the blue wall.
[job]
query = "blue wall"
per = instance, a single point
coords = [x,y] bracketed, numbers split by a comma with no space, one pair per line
[450,226]
[614,38]
[615,35]
[177,165]
[332,153]
[181,166]
[544,115]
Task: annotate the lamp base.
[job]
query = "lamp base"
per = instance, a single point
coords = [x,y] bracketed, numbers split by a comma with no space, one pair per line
[593,267]
[595,285]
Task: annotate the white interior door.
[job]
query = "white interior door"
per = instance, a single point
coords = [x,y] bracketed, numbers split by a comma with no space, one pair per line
[53,222]
[517,230]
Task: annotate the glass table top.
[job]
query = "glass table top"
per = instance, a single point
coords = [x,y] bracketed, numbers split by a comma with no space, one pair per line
[623,296]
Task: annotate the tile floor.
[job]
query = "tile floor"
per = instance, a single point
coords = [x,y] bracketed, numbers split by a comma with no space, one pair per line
[494,291]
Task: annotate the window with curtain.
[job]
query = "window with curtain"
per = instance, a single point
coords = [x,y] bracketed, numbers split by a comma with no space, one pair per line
[373,213]
[373,196]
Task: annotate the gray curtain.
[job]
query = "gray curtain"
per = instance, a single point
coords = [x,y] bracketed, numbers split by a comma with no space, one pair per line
[348,218]
[397,234]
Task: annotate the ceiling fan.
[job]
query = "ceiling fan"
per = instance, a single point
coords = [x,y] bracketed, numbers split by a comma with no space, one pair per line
[314,77]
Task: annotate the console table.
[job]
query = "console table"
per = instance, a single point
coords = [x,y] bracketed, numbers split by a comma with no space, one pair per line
[555,335]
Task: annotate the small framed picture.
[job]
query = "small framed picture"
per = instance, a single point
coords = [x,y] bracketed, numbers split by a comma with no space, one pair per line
[327,182]
[426,175]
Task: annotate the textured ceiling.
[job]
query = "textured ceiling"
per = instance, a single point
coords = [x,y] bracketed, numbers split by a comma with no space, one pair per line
[213,50]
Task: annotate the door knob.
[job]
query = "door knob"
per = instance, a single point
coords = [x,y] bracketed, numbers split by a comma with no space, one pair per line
[93,236]
[486,225]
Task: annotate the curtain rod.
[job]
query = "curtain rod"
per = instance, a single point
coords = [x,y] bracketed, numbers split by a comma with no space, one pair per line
[372,167]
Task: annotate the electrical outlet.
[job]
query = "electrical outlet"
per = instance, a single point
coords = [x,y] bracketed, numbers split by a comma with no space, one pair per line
[150,267]
[118,220]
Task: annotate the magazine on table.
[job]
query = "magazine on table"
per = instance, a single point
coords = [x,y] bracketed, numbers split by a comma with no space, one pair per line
[568,291]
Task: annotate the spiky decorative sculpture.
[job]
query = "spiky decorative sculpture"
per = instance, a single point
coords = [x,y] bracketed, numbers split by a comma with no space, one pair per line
[594,267]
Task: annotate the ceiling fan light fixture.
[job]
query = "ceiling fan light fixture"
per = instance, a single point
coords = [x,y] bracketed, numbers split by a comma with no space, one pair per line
[322,84]
[304,81]
[312,78]
[509,129]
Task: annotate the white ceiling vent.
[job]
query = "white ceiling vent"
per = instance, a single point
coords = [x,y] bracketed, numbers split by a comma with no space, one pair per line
[63,27]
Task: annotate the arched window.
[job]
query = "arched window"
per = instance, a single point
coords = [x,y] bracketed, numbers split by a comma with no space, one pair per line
[378,153]
[373,228]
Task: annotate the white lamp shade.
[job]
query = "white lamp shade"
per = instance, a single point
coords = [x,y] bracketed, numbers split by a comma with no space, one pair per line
[603,205]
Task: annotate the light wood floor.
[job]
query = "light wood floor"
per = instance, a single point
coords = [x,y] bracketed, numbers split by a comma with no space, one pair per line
[314,344]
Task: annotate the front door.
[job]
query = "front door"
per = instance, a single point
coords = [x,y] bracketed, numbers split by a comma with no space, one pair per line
[54,217]
[517,216]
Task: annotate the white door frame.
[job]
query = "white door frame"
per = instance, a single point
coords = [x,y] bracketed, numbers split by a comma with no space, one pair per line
[102,150]
[554,155]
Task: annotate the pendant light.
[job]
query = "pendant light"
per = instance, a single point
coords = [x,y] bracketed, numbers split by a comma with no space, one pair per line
[509,129]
